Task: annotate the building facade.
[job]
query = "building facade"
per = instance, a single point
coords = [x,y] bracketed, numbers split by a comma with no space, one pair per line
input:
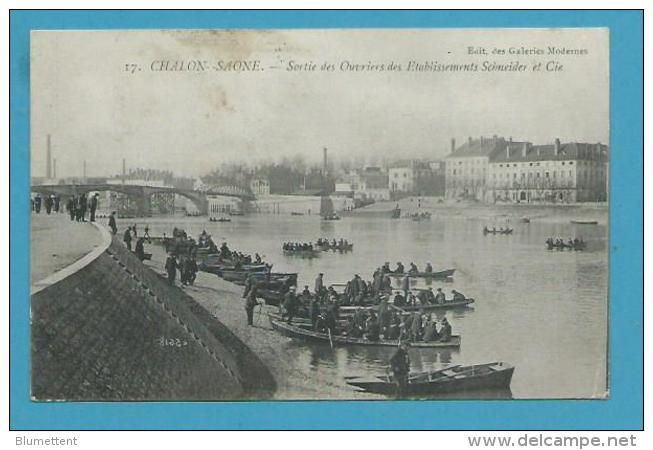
[499,170]
[370,184]
[467,167]
[557,173]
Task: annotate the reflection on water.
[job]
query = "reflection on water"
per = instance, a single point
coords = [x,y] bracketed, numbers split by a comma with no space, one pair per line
[542,311]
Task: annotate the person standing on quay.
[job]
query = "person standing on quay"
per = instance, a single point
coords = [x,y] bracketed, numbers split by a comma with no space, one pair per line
[57,200]
[250,304]
[37,203]
[127,238]
[112,222]
[48,204]
[70,206]
[93,206]
[82,207]
[171,269]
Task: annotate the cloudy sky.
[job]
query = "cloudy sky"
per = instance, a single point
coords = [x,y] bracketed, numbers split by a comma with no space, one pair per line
[190,122]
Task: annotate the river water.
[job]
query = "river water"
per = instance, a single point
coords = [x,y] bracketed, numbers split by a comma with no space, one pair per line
[543,311]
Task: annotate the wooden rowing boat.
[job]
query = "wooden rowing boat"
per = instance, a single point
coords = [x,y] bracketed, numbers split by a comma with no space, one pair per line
[433,275]
[302,253]
[344,310]
[300,332]
[496,375]
[488,231]
[585,222]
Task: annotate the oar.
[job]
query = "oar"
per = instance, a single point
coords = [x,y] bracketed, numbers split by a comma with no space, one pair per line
[330,338]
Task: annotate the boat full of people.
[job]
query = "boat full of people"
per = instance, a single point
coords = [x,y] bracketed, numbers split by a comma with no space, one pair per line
[571,244]
[305,333]
[304,250]
[340,245]
[494,230]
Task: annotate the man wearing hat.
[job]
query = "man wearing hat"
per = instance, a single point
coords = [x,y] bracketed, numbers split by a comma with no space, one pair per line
[445,331]
[439,297]
[457,296]
[290,304]
[251,303]
[319,284]
[400,366]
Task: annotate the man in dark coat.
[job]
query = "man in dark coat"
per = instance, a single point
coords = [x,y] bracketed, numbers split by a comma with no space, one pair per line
[112,221]
[439,297]
[290,304]
[127,238]
[171,268]
[48,204]
[93,206]
[57,199]
[70,206]
[82,208]
[319,284]
[139,250]
[250,304]
[37,203]
[400,366]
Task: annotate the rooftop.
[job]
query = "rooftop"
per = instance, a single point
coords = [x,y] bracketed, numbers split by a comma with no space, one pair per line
[571,150]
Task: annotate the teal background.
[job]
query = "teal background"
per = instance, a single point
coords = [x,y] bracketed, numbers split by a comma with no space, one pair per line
[624,408]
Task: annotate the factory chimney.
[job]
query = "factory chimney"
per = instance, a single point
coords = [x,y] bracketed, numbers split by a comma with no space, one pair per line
[48,162]
[453,145]
[54,168]
[84,171]
[123,171]
[324,164]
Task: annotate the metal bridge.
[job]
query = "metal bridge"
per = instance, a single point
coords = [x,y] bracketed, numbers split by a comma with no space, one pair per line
[141,194]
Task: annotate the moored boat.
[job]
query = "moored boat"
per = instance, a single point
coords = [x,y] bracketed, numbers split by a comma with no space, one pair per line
[585,222]
[307,334]
[457,378]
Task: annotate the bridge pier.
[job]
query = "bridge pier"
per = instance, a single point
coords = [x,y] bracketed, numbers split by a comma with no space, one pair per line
[143,205]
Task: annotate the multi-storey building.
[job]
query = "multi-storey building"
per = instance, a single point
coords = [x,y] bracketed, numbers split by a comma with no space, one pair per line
[467,167]
[569,172]
[370,184]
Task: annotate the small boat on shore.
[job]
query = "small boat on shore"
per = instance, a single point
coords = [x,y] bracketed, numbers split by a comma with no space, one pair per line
[219,219]
[442,274]
[310,335]
[295,213]
[577,246]
[457,378]
[585,222]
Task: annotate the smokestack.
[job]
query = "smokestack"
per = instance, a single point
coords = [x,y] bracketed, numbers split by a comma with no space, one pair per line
[48,161]
[453,145]
[84,171]
[556,147]
[124,171]
[324,168]
[54,168]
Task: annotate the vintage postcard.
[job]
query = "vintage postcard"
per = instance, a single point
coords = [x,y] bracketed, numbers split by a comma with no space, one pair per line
[323,214]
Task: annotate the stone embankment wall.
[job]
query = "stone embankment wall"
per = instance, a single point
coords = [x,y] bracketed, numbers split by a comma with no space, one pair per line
[115,330]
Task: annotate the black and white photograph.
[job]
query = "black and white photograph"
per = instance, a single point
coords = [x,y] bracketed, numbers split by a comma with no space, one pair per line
[319,214]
